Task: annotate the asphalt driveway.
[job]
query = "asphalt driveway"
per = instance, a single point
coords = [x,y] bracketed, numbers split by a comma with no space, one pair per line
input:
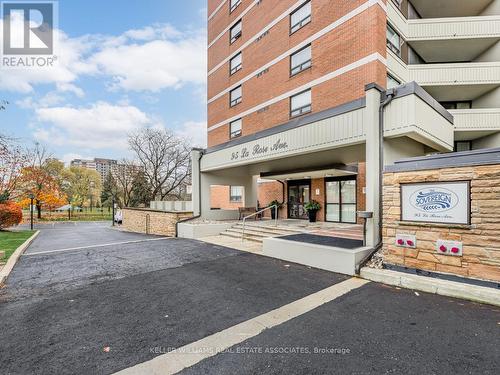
[63,305]
[82,289]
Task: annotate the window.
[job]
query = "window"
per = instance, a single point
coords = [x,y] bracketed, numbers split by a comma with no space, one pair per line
[393,41]
[235,32]
[392,82]
[300,17]
[236,193]
[235,128]
[235,63]
[235,96]
[234,4]
[463,146]
[457,105]
[300,60]
[300,103]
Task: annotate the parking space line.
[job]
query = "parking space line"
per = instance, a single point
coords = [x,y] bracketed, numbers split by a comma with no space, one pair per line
[191,354]
[96,246]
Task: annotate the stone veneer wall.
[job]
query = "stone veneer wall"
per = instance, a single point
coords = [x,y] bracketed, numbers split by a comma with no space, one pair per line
[481,240]
[160,222]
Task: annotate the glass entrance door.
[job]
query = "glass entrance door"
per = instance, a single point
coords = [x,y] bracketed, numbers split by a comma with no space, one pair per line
[298,196]
[341,200]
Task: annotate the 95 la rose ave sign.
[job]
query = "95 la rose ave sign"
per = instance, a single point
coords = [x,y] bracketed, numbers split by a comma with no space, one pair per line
[440,202]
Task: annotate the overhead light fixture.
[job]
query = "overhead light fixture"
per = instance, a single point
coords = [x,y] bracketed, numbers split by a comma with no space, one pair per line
[307,177]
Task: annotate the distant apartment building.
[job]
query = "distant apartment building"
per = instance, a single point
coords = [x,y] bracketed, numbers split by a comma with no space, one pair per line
[102,166]
[306,98]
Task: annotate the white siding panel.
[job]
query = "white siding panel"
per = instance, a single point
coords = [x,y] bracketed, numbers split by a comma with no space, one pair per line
[342,130]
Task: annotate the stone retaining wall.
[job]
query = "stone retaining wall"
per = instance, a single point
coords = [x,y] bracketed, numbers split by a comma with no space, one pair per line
[160,222]
[481,239]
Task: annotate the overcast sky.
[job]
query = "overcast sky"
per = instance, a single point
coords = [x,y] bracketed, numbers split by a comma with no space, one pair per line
[123,64]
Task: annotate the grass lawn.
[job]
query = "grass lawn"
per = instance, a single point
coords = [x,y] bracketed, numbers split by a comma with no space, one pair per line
[10,241]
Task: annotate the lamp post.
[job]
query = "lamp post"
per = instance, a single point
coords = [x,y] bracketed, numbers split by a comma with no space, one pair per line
[32,197]
[113,210]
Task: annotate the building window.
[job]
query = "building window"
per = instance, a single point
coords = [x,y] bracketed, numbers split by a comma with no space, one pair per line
[393,40]
[300,103]
[235,32]
[234,5]
[235,128]
[236,193]
[235,63]
[300,17]
[463,146]
[235,96]
[392,82]
[457,105]
[300,60]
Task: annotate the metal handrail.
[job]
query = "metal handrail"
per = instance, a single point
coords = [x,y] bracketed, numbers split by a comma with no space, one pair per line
[256,213]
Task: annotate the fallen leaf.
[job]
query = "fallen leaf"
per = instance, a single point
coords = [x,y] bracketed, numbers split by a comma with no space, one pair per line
[106,349]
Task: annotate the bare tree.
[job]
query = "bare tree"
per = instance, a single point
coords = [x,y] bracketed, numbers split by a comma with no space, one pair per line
[3,104]
[12,159]
[165,159]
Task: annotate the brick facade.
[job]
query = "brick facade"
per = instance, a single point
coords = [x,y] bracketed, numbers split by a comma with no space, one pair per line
[219,198]
[481,248]
[353,40]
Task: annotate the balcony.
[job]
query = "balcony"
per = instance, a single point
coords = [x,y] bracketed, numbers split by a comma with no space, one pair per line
[453,39]
[477,120]
[467,80]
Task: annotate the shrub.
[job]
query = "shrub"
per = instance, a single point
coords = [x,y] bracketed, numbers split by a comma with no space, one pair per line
[10,214]
[312,206]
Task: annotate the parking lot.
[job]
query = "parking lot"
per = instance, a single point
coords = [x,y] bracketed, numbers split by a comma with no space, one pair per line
[88,299]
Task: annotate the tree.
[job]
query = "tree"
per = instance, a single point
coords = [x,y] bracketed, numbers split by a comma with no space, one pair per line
[109,190]
[3,104]
[39,179]
[124,176]
[81,185]
[12,159]
[140,194]
[164,157]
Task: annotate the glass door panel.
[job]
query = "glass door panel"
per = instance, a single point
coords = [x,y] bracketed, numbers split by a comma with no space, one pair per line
[298,196]
[341,201]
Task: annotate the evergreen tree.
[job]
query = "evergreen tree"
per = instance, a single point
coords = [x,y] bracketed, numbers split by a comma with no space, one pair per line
[108,189]
[141,191]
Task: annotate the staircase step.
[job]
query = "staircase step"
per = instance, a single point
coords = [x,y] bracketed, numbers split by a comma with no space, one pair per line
[247,237]
[265,233]
[266,228]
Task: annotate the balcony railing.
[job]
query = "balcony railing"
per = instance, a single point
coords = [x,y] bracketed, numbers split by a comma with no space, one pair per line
[454,28]
[483,119]
[455,74]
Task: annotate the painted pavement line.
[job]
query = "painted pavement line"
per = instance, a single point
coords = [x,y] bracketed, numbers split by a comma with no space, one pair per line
[190,354]
[95,246]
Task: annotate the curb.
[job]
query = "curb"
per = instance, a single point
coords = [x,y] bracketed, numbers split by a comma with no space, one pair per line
[6,270]
[430,285]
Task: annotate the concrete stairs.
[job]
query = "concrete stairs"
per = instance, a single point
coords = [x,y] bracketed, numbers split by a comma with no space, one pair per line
[257,232]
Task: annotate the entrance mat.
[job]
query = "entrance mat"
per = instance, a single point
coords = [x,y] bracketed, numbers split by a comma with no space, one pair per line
[345,243]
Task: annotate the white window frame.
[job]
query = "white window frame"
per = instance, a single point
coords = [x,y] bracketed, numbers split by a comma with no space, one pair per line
[238,197]
[390,44]
[233,4]
[235,133]
[234,69]
[233,37]
[235,101]
[299,111]
[303,65]
[297,25]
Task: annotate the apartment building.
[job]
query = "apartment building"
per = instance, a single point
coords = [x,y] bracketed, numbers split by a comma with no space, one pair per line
[306,98]
[102,166]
